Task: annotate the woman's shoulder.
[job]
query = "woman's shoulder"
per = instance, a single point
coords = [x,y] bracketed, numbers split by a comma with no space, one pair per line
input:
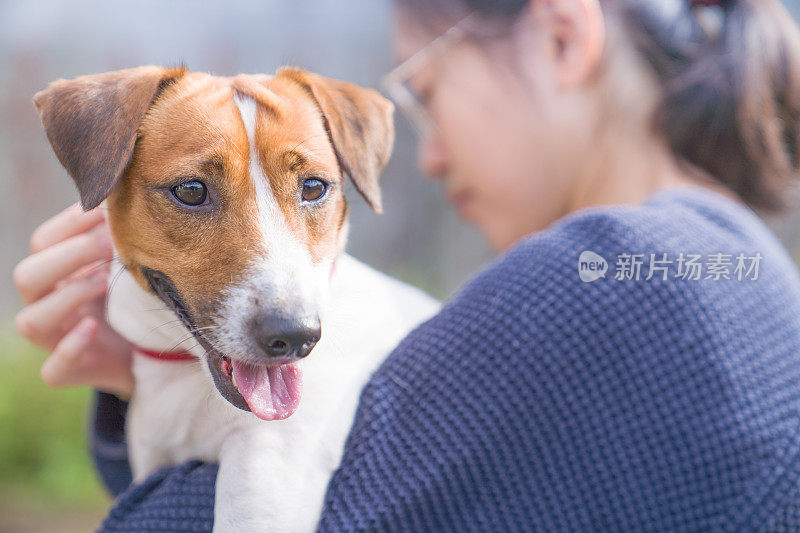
[585,280]
[680,219]
[580,252]
[674,230]
[686,262]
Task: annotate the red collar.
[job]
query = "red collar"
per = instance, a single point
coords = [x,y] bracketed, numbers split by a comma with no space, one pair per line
[162,355]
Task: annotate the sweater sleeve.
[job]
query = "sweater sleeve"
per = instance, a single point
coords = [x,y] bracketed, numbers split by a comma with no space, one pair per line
[107,442]
[179,498]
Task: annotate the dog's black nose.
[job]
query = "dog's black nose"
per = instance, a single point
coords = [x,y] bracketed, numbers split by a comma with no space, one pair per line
[283,337]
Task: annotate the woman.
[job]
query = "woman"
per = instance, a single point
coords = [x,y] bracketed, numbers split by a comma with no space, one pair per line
[631,360]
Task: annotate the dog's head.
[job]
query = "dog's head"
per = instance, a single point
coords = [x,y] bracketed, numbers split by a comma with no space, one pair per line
[225,199]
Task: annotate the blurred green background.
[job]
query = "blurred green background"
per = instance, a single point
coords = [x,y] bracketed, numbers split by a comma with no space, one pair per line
[46,478]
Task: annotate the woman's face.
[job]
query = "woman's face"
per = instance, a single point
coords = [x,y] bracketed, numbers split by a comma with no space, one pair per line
[498,143]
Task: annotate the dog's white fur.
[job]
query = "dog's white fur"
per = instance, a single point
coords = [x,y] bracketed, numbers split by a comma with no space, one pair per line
[272,475]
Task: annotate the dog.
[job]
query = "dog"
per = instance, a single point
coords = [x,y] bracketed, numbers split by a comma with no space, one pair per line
[253,331]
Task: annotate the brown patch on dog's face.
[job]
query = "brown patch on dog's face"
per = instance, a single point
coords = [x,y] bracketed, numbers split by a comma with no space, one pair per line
[196,132]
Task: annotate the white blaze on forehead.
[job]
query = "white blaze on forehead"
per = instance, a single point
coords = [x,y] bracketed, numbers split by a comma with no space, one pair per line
[271,220]
[282,276]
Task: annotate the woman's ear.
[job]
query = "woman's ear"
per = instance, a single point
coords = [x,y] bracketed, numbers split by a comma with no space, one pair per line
[576,30]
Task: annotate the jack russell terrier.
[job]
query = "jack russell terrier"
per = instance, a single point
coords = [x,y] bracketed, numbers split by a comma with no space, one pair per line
[225,202]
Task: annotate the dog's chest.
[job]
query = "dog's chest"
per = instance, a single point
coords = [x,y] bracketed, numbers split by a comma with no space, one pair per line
[177,414]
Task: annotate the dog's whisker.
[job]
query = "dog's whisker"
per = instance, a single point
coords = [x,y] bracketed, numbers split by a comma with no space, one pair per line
[204,328]
[111,287]
[168,322]
[99,264]
[178,343]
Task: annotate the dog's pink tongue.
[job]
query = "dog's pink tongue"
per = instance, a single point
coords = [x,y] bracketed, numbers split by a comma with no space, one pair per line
[271,392]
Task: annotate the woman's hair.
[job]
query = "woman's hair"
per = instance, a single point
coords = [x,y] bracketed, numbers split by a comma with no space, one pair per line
[730,77]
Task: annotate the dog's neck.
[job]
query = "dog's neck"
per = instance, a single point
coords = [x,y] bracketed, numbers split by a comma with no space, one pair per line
[143,319]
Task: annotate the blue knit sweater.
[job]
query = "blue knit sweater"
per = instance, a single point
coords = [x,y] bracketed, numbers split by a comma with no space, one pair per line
[538,401]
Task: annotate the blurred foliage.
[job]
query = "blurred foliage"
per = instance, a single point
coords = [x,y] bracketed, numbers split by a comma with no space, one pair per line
[43,450]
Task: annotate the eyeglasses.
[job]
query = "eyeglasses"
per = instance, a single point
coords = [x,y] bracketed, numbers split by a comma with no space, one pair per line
[397,81]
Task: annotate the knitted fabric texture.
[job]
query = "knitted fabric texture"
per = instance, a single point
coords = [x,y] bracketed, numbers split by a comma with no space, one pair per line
[173,499]
[537,401]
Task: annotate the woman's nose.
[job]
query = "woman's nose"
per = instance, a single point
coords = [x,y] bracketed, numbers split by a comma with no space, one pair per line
[432,156]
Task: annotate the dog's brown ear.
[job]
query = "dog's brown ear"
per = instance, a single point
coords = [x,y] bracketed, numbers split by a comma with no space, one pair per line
[92,123]
[359,122]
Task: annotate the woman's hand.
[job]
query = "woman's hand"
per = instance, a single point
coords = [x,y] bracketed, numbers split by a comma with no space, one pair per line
[63,283]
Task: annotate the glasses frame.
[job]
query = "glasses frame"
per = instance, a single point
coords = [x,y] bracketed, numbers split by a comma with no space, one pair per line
[396,82]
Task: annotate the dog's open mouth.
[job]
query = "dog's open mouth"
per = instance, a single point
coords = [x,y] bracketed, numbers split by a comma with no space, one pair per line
[271,392]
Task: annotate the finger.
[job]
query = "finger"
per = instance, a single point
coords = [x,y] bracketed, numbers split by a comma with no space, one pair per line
[37,274]
[111,364]
[85,272]
[69,222]
[42,322]
[62,368]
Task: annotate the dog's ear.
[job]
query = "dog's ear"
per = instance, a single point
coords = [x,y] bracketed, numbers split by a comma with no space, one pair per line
[92,123]
[359,122]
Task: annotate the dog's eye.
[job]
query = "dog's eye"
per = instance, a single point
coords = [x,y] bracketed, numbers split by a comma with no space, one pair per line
[313,189]
[190,192]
